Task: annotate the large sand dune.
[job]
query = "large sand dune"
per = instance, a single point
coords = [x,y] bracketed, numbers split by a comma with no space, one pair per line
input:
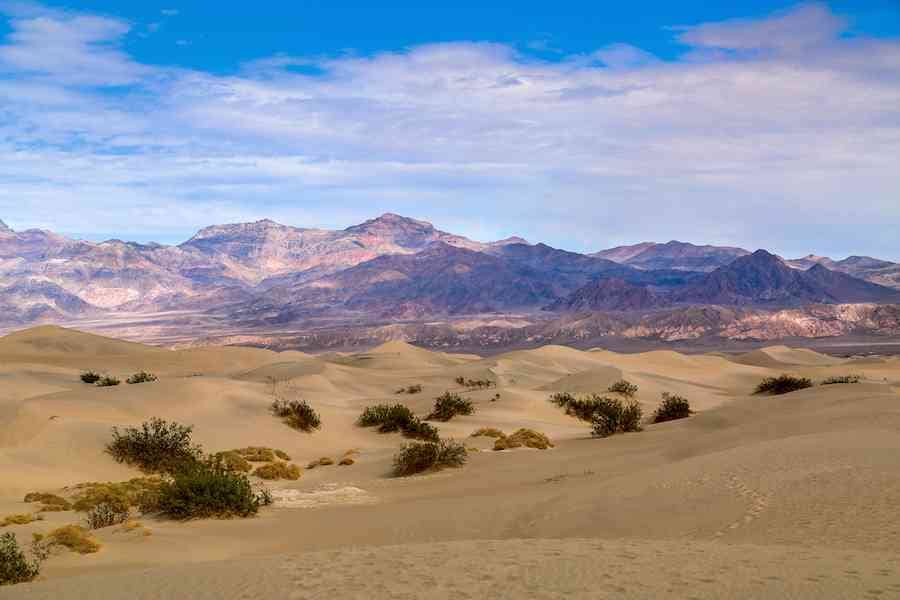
[790,496]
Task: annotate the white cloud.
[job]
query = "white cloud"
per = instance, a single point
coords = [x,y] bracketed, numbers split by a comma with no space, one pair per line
[747,147]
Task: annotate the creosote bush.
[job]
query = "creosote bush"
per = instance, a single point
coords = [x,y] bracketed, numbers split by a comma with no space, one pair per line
[141,377]
[297,414]
[157,447]
[205,489]
[412,389]
[397,417]
[671,408]
[278,470]
[841,379]
[107,381]
[90,377]
[14,565]
[475,383]
[782,384]
[448,405]
[623,387]
[607,416]
[418,457]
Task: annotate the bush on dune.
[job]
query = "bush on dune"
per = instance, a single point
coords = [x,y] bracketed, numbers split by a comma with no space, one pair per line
[278,470]
[528,438]
[623,387]
[106,515]
[412,389]
[74,537]
[841,379]
[49,502]
[672,407]
[157,447]
[448,405]
[233,461]
[205,489]
[23,519]
[783,384]
[141,377]
[107,381]
[397,417]
[418,457]
[14,565]
[90,377]
[491,432]
[607,416]
[119,496]
[297,414]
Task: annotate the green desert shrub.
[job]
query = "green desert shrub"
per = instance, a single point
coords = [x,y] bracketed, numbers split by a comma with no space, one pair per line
[418,457]
[841,379]
[623,387]
[448,405]
[615,416]
[562,399]
[90,377]
[157,447]
[418,429]
[278,470]
[14,565]
[297,414]
[106,515]
[671,408]
[782,384]
[107,381]
[205,489]
[388,417]
[141,377]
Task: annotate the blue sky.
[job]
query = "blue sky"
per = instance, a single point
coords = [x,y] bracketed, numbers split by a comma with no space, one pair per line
[582,124]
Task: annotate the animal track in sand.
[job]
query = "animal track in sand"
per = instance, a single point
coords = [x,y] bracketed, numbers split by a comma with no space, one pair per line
[757,503]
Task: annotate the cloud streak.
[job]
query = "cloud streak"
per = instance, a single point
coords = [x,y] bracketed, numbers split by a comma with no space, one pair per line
[763,133]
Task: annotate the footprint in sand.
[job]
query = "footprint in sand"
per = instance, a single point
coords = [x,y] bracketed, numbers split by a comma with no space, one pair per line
[757,503]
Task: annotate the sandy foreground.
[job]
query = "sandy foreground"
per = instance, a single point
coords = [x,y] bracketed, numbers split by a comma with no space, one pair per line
[795,496]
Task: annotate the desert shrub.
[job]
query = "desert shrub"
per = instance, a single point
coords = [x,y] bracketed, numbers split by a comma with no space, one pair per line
[278,470]
[106,515]
[491,432]
[495,397]
[842,379]
[389,418]
[205,489]
[615,416]
[418,457]
[782,384]
[75,538]
[257,453]
[671,408]
[412,389]
[50,502]
[233,461]
[157,447]
[418,429]
[91,377]
[297,414]
[282,454]
[562,399]
[107,381]
[624,387]
[14,565]
[141,377]
[475,383]
[448,405]
[120,496]
[23,519]
[346,461]
[325,461]
[528,438]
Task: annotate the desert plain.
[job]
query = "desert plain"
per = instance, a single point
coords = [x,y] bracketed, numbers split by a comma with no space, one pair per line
[789,496]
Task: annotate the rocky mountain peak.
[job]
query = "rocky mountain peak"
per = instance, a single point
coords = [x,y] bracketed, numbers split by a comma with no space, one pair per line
[4,226]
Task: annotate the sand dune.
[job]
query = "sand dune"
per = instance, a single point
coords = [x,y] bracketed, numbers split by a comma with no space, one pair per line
[788,496]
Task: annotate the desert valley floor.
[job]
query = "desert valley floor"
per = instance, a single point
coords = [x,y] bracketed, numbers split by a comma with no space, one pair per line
[753,496]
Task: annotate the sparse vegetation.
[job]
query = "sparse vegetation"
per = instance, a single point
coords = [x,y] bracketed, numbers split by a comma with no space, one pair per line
[106,515]
[278,470]
[49,502]
[346,461]
[14,565]
[256,453]
[491,432]
[397,417]
[297,414]
[623,387]
[671,408]
[22,519]
[418,429]
[528,438]
[841,379]
[107,381]
[74,537]
[281,454]
[607,415]
[448,405]
[141,377]
[475,383]
[205,489]
[90,377]
[233,461]
[418,457]
[411,389]
[783,384]
[157,447]
[119,496]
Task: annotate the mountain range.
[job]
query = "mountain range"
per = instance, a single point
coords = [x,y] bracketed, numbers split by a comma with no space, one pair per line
[394,269]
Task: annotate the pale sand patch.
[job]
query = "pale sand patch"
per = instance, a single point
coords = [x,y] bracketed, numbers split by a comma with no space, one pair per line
[330,494]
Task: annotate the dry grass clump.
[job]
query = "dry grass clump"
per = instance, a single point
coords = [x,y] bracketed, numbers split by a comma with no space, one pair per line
[75,538]
[346,461]
[278,470]
[672,407]
[233,461]
[623,387]
[49,502]
[281,454]
[448,405]
[141,377]
[529,438]
[783,384]
[107,381]
[842,379]
[320,462]
[119,496]
[411,389]
[22,519]
[157,447]
[418,457]
[14,565]
[256,453]
[491,432]
[296,413]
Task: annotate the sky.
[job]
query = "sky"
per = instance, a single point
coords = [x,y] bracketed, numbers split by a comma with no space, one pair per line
[584,125]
